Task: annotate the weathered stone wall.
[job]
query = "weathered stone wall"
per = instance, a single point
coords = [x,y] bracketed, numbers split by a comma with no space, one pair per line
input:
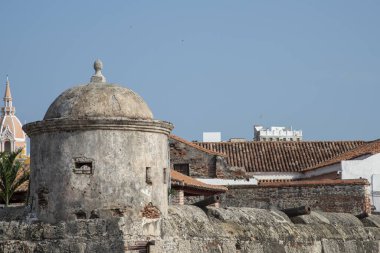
[187,200]
[246,230]
[76,236]
[345,198]
[201,164]
[112,235]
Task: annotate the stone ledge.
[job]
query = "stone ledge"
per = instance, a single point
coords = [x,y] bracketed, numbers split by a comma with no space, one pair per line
[303,183]
[123,124]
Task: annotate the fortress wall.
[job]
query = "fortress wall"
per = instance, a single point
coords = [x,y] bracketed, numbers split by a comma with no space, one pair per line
[338,196]
[189,229]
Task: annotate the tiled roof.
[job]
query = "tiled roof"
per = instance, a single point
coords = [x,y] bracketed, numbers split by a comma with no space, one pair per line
[369,148]
[192,144]
[193,183]
[23,187]
[26,169]
[285,156]
[14,125]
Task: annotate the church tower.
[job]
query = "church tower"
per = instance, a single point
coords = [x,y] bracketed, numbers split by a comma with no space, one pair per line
[12,137]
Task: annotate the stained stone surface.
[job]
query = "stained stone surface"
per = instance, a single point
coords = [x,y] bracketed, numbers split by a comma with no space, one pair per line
[99,100]
[115,184]
[189,229]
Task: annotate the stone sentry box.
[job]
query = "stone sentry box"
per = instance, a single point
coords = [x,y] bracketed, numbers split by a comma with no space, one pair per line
[90,154]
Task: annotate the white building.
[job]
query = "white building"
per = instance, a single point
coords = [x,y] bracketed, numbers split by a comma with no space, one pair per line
[212,136]
[275,133]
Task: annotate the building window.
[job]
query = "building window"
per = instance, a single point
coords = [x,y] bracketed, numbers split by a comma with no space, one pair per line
[7,146]
[182,168]
[165,176]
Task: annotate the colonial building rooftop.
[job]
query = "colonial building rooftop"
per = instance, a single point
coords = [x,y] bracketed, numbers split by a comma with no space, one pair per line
[280,156]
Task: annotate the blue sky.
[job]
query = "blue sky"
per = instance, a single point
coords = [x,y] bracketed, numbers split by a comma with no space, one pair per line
[206,65]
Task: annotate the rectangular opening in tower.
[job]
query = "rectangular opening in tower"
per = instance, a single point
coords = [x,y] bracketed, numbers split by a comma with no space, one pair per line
[83,167]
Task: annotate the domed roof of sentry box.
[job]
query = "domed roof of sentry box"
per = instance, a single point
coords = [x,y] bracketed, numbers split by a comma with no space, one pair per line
[99,99]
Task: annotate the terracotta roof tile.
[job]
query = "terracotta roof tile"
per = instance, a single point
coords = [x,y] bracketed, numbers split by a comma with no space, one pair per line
[193,183]
[257,156]
[369,148]
[26,169]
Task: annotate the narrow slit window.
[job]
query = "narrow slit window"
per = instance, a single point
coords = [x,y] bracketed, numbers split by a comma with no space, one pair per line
[148,175]
[165,176]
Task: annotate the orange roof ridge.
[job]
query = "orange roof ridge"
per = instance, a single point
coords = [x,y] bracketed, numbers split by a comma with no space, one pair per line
[194,145]
[193,183]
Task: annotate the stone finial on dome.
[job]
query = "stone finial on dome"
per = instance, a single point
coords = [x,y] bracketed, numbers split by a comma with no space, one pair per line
[98,77]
